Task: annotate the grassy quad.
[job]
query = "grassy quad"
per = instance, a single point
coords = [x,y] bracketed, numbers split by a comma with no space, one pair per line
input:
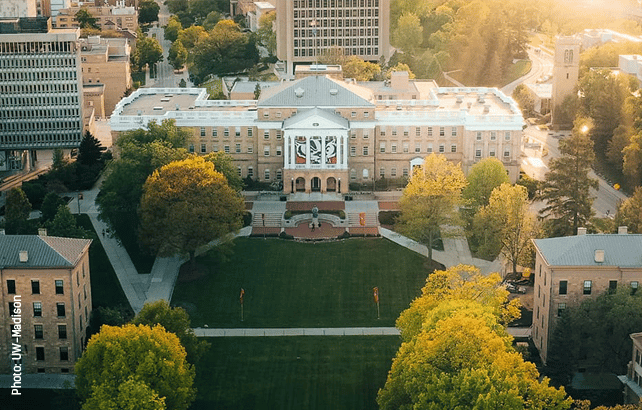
[291,284]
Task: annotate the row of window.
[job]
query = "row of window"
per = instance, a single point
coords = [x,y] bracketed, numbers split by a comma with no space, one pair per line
[59,285]
[39,333]
[335,3]
[266,173]
[588,286]
[417,148]
[363,51]
[63,356]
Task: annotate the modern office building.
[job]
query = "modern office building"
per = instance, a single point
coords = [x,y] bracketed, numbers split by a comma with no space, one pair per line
[40,90]
[321,134]
[46,301]
[571,269]
[18,8]
[306,29]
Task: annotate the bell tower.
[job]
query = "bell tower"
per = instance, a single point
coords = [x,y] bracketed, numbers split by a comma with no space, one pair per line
[566,64]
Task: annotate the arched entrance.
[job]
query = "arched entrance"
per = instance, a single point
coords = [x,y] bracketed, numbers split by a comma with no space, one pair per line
[300,184]
[331,184]
[316,184]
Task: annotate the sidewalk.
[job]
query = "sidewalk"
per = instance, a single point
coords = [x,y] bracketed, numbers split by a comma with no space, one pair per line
[314,331]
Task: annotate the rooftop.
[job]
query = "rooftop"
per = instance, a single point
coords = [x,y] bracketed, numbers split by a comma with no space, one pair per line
[41,251]
[623,250]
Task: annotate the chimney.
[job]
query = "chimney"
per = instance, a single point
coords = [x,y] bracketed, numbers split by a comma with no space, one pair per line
[581,231]
[2,231]
[23,256]
[622,230]
[599,255]
[42,231]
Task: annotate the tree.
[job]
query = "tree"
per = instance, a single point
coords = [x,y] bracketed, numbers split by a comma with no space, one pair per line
[140,365]
[525,100]
[177,55]
[85,19]
[58,161]
[174,320]
[629,212]
[430,198]
[187,204]
[148,51]
[17,210]
[64,225]
[172,28]
[90,150]
[408,34]
[223,164]
[509,221]
[400,67]
[191,35]
[50,206]
[566,188]
[147,11]
[456,352]
[483,178]
[360,70]
[266,33]
[212,18]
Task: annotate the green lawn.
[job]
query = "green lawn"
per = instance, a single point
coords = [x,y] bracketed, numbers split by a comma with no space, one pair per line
[292,284]
[105,287]
[312,373]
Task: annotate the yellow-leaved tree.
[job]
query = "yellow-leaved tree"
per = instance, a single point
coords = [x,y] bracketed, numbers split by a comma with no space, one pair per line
[430,199]
[187,204]
[456,353]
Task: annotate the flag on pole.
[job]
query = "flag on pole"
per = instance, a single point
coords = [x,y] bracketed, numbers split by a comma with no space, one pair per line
[376,294]
[242,293]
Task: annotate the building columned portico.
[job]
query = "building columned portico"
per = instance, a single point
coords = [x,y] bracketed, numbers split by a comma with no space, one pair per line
[315,152]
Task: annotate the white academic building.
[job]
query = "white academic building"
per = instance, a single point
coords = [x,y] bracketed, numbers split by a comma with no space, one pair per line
[320,134]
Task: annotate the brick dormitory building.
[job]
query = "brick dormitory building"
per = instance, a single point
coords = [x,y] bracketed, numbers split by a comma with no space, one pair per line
[45,288]
[320,134]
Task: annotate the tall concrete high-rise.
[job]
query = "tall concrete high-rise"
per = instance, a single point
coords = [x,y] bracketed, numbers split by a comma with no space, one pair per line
[18,8]
[566,68]
[306,29]
[40,90]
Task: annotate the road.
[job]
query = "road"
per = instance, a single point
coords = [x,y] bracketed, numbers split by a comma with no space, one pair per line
[542,64]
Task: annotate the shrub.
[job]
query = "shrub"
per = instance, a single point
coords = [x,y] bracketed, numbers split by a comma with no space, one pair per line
[388,217]
[247,219]
[288,214]
[284,235]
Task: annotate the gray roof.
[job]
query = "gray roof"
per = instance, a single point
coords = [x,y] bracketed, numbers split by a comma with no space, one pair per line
[619,250]
[315,91]
[42,251]
[316,111]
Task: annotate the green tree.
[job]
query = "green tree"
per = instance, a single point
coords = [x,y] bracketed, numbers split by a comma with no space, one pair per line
[58,161]
[223,163]
[147,11]
[177,321]
[191,36]
[85,19]
[360,70]
[266,32]
[177,55]
[408,34]
[566,188]
[135,364]
[64,225]
[185,205]
[629,213]
[148,52]
[430,198]
[50,206]
[172,28]
[17,210]
[90,150]
[507,219]
[525,100]
[483,178]
[212,19]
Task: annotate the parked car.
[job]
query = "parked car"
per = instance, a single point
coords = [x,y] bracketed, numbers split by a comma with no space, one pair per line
[513,288]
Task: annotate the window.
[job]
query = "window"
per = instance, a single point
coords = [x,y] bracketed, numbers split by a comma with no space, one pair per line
[382,172]
[266,150]
[202,131]
[238,170]
[249,131]
[40,354]
[279,150]
[38,332]
[237,148]
[266,174]
[560,309]
[215,148]
[226,148]
[491,152]
[77,279]
[366,135]
[214,132]
[406,148]
[493,135]
[365,174]
[418,132]
[353,174]
[62,331]
[353,151]
[393,172]
[563,287]
[353,114]
[237,132]
[478,153]
[250,149]
[37,309]
[404,172]
[382,147]
[353,135]
[442,148]
[191,148]
[429,148]
[479,136]
[226,132]
[506,153]
[35,287]
[634,287]
[442,131]
[507,135]
[453,148]
[430,131]
[266,135]
[394,131]
[587,287]
[203,148]
[366,114]
[250,172]
[612,286]
[394,148]
[278,134]
[453,132]
[406,132]
[64,353]
[60,309]
[417,148]
[11,286]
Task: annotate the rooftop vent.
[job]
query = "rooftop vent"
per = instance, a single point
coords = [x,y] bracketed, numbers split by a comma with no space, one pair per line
[486,108]
[299,92]
[622,230]
[481,98]
[2,231]
[42,231]
[460,99]
[599,255]
[333,91]
[23,256]
[581,231]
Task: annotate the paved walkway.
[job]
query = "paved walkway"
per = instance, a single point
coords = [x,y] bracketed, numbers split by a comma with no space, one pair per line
[313,331]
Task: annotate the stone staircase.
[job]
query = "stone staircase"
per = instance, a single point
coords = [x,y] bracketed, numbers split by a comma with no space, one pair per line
[272,219]
[370,219]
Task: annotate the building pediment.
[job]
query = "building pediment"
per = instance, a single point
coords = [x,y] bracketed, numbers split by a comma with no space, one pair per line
[316,118]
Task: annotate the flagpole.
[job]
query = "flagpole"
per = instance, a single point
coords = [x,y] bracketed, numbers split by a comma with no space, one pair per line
[378,317]
[375,293]
[241,300]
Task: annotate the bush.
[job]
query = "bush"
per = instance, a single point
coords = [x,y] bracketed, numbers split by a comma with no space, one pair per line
[388,217]
[342,214]
[35,192]
[288,214]
[284,235]
[344,235]
[247,219]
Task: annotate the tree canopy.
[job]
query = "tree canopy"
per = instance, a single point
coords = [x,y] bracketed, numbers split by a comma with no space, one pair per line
[430,198]
[187,204]
[85,19]
[456,352]
[148,51]
[141,365]
[629,212]
[147,11]
[90,150]
[266,32]
[17,210]
[483,178]
[64,225]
